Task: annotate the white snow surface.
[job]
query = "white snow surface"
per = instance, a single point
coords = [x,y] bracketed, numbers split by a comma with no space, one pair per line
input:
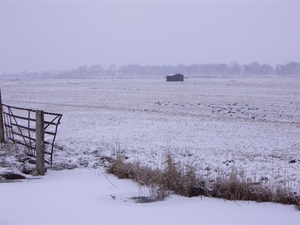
[248,123]
[82,196]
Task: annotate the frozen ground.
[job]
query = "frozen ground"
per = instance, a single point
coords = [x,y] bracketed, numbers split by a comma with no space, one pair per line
[81,196]
[252,124]
[215,123]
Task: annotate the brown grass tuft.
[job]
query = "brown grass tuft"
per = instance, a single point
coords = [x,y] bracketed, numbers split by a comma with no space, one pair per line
[174,177]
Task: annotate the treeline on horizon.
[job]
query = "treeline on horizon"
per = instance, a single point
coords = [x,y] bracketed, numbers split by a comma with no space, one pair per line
[234,68]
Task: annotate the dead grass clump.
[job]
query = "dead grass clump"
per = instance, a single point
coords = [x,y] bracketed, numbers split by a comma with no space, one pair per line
[121,169]
[171,177]
[184,180]
[181,179]
[235,189]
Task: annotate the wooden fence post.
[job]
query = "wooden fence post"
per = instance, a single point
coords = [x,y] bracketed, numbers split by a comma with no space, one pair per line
[40,145]
[1,121]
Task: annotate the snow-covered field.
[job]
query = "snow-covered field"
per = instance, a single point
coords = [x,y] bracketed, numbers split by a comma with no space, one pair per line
[252,124]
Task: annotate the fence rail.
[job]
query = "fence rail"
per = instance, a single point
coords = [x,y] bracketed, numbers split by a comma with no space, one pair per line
[20,126]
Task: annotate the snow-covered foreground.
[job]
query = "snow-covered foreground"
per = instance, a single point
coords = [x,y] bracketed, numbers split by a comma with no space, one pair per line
[216,124]
[83,196]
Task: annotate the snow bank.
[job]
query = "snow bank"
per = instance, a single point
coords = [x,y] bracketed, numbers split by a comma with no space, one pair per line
[83,196]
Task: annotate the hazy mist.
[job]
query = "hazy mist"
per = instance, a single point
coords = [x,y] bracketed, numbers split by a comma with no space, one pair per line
[59,35]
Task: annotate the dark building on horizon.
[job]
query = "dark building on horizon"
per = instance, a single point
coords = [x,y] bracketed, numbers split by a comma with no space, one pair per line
[176,77]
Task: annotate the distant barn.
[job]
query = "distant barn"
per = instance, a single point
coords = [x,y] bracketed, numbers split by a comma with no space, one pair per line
[175,77]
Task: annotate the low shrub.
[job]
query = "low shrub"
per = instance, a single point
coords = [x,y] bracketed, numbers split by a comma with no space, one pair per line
[184,180]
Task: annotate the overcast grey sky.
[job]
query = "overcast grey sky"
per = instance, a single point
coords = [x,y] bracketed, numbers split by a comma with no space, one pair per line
[60,35]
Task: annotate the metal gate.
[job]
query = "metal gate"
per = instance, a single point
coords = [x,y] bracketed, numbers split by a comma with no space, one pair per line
[20,127]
